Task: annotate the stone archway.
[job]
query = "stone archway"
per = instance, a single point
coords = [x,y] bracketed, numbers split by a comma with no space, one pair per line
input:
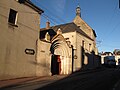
[59,48]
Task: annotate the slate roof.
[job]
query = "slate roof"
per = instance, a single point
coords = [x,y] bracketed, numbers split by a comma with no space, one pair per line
[70,27]
[107,53]
[51,32]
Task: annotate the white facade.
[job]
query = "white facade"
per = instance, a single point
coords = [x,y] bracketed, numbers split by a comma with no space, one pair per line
[117,58]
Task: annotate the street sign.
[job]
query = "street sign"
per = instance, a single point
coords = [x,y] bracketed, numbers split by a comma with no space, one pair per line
[29,51]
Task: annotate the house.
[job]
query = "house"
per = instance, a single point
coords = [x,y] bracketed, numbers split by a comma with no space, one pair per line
[19,22]
[104,54]
[74,45]
[116,54]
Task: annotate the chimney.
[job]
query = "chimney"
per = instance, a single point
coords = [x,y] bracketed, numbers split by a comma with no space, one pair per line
[47,25]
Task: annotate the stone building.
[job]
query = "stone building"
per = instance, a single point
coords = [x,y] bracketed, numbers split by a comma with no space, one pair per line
[74,44]
[54,53]
[83,39]
[19,27]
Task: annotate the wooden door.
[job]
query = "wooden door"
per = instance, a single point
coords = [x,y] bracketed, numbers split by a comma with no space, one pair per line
[55,64]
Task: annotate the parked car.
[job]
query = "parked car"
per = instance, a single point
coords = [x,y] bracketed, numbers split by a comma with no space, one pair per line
[110,61]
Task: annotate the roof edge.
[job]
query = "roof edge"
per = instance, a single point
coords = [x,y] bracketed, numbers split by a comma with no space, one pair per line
[30,4]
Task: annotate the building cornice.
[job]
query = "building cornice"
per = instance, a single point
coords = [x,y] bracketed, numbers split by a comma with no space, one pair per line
[30,4]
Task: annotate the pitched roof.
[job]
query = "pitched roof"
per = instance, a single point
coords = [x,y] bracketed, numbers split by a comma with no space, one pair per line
[51,32]
[107,53]
[70,27]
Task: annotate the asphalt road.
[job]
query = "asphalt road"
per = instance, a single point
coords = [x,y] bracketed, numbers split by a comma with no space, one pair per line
[103,79]
[98,79]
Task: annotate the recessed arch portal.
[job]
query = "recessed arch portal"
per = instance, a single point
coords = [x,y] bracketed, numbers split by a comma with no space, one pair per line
[60,49]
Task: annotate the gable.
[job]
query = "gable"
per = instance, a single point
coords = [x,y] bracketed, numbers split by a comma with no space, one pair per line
[84,27]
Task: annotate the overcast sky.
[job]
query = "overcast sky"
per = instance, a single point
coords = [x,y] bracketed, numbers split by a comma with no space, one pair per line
[101,15]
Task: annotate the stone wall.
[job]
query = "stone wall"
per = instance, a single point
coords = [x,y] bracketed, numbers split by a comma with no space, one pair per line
[43,59]
[14,40]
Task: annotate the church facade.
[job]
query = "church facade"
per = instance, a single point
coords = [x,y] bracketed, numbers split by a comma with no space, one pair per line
[54,53]
[73,46]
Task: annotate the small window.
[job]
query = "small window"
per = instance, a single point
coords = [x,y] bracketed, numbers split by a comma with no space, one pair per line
[12,17]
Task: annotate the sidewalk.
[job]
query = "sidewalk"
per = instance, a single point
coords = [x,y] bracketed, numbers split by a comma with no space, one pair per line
[28,80]
[15,81]
[24,80]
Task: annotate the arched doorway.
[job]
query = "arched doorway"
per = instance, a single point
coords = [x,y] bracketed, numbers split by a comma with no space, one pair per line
[61,60]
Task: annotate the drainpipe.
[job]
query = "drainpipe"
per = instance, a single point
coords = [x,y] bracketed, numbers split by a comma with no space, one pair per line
[72,58]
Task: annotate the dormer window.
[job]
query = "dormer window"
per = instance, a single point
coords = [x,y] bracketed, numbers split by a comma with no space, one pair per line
[47,37]
[59,31]
[12,17]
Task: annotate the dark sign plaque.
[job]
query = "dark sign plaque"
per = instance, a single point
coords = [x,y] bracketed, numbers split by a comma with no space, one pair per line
[29,51]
